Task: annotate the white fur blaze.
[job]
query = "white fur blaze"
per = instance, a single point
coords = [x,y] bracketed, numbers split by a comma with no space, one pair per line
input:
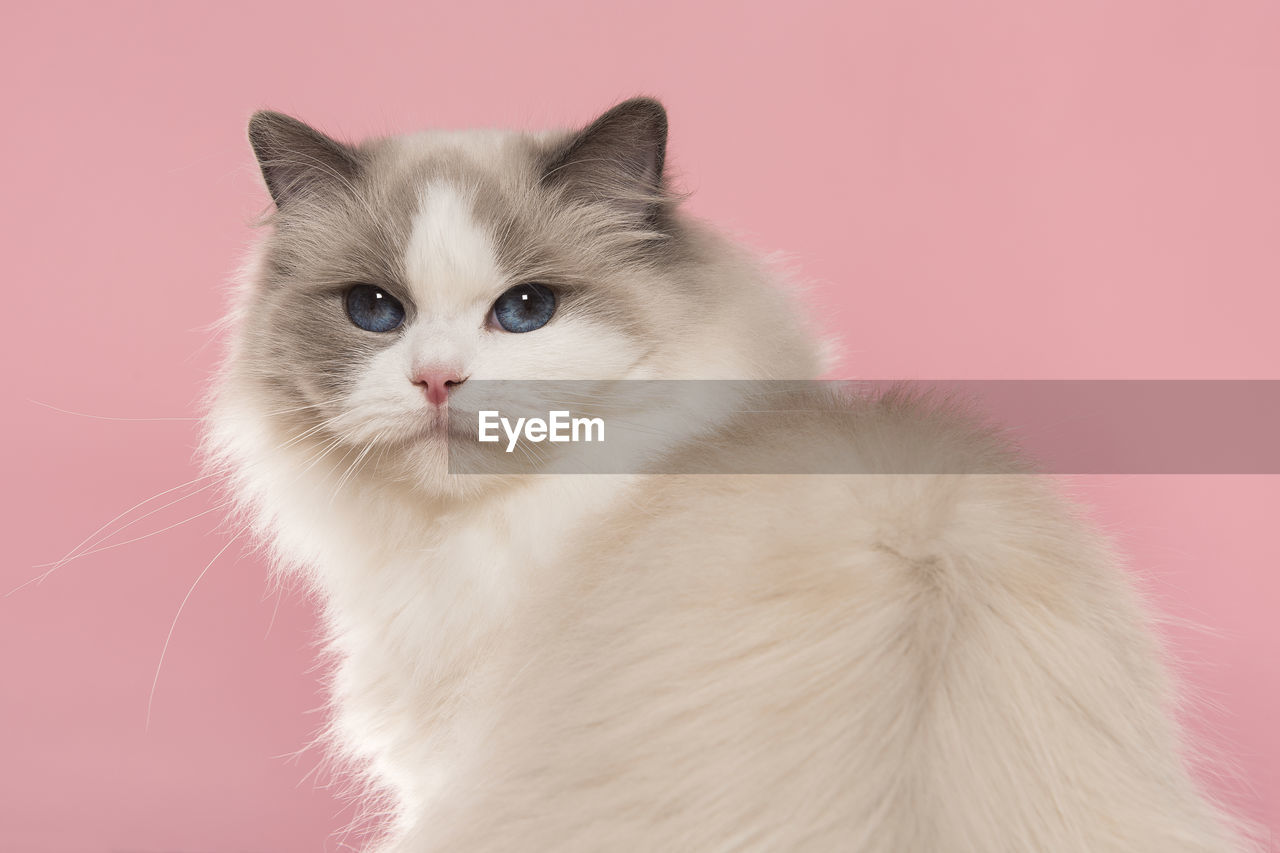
[449,254]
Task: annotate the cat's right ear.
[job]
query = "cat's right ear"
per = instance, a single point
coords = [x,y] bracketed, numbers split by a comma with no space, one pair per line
[618,158]
[297,159]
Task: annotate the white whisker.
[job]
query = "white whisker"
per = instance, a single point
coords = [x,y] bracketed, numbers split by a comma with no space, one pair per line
[165,649]
[221,505]
[94,539]
[103,417]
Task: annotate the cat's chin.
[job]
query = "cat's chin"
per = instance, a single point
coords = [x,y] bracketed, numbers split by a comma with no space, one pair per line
[424,463]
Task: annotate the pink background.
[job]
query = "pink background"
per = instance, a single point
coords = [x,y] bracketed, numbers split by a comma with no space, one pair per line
[1084,189]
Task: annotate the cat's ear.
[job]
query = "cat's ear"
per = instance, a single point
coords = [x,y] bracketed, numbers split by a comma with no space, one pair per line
[295,158]
[618,157]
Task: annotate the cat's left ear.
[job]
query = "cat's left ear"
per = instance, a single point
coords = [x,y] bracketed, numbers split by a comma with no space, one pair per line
[618,158]
[295,158]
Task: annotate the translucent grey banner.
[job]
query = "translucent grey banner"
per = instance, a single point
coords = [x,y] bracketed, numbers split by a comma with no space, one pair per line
[866,427]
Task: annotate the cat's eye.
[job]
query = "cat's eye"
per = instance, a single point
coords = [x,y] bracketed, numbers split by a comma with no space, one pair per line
[525,307]
[373,309]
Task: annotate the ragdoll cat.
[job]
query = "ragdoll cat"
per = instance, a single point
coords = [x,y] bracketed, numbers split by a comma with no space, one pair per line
[884,662]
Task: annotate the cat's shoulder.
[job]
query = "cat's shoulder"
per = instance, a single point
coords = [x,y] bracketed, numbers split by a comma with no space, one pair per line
[845,429]
[916,479]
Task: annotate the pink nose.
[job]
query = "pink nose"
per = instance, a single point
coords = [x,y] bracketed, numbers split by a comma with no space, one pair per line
[437,382]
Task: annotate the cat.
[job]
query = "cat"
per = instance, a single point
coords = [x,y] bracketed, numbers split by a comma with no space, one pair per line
[898,662]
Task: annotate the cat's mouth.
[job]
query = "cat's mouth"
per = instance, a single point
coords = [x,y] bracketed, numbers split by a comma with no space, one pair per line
[436,421]
[446,422]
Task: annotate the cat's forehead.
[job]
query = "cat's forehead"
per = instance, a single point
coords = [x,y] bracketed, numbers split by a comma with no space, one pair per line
[450,259]
[478,158]
[458,199]
[484,148]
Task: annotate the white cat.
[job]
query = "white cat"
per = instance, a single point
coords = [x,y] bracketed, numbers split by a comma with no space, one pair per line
[877,662]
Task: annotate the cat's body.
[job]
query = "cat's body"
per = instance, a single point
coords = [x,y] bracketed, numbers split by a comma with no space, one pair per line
[879,662]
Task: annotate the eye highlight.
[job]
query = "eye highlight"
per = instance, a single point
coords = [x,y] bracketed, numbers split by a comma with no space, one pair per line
[373,309]
[525,307]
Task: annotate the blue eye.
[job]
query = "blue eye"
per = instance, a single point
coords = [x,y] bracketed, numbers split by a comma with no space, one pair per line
[525,307]
[373,309]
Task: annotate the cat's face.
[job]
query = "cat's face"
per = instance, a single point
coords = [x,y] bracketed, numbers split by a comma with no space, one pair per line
[400,271]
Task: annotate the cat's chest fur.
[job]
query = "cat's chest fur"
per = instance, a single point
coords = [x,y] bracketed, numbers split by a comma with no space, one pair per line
[415,611]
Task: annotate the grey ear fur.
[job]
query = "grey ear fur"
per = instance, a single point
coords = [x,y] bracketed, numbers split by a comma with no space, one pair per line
[295,158]
[619,157]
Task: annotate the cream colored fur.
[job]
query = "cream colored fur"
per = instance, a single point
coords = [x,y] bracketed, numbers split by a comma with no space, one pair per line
[873,662]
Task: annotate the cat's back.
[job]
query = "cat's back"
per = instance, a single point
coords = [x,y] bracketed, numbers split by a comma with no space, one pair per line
[874,661]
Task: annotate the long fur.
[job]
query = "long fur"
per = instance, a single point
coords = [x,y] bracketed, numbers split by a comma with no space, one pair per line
[873,662]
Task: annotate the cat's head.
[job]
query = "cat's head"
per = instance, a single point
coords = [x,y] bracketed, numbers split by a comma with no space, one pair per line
[398,271]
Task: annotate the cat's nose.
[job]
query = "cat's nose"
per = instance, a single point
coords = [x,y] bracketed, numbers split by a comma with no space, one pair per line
[437,382]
